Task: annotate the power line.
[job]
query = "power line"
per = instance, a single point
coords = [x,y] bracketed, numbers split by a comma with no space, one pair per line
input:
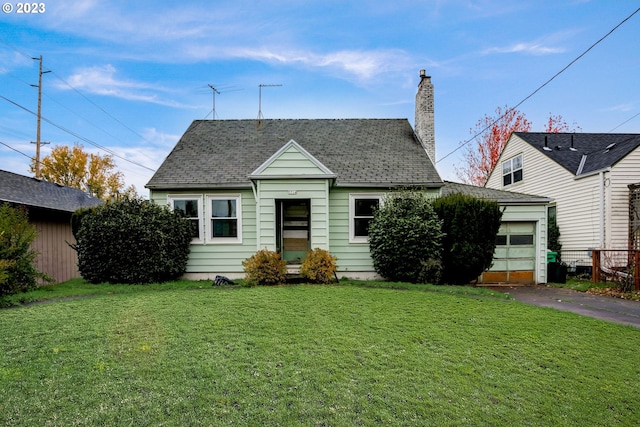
[79,93]
[541,86]
[17,151]
[82,138]
[98,107]
[625,122]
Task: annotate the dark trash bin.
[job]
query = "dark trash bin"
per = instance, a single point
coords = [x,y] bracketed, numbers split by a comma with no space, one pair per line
[556,272]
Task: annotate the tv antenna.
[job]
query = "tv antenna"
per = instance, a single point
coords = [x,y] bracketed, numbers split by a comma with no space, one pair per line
[213,116]
[260,117]
[217,91]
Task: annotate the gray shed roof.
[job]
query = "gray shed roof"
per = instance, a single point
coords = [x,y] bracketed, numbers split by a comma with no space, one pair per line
[24,190]
[592,151]
[500,196]
[361,152]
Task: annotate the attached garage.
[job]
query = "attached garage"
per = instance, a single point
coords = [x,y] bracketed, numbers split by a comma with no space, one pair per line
[514,260]
[521,247]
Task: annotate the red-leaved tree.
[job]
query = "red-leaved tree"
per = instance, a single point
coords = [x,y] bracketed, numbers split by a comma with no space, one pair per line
[481,157]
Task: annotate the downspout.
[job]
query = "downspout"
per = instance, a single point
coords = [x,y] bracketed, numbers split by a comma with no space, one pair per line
[601,209]
[254,188]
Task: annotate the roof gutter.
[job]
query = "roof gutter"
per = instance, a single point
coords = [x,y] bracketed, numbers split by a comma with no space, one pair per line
[592,173]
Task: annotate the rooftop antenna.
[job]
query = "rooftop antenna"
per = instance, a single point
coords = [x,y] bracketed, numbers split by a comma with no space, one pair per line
[213,116]
[260,117]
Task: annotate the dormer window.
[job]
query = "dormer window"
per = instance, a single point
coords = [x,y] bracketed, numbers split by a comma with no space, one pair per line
[512,170]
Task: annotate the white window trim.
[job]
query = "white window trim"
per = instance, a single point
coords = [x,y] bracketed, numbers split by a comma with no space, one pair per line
[513,170]
[352,211]
[224,240]
[173,197]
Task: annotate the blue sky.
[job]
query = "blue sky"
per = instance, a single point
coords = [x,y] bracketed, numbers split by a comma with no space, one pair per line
[131,76]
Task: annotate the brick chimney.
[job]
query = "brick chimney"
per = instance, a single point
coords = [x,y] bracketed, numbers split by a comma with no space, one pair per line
[424,121]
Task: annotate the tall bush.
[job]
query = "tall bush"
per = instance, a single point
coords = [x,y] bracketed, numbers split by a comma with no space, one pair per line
[470,226]
[132,241]
[17,260]
[405,238]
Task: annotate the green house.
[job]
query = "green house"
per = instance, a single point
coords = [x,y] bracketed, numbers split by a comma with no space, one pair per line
[295,185]
[287,185]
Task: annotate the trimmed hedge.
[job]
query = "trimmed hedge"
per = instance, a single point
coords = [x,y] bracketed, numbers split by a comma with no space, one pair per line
[132,241]
[470,227]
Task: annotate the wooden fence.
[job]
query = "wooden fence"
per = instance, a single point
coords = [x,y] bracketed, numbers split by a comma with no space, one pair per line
[619,265]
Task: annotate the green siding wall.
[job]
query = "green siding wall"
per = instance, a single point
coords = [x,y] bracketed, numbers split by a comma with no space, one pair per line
[292,162]
[353,258]
[209,258]
[316,190]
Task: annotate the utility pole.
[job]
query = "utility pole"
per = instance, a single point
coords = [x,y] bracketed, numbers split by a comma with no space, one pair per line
[38,142]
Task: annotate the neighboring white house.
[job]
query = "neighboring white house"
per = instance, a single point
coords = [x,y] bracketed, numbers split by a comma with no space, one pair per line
[295,185]
[588,176]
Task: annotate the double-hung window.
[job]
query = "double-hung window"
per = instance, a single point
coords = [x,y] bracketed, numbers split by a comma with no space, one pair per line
[361,209]
[512,170]
[190,207]
[225,219]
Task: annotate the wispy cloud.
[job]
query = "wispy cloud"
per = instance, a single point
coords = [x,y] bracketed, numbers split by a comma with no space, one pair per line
[530,48]
[621,107]
[357,65]
[191,33]
[103,80]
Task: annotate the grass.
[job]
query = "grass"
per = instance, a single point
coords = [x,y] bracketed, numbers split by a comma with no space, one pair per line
[351,354]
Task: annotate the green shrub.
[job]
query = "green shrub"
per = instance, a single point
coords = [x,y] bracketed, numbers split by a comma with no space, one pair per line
[553,235]
[265,267]
[17,260]
[470,226]
[405,238]
[319,266]
[76,219]
[132,241]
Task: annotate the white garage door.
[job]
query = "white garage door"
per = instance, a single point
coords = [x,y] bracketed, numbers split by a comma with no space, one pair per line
[514,259]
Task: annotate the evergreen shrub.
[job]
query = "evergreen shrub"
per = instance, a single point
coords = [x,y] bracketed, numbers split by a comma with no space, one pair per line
[405,238]
[470,226]
[265,268]
[319,266]
[17,259]
[132,241]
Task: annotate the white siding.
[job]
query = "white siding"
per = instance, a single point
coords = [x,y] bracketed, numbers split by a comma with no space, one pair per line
[625,172]
[577,201]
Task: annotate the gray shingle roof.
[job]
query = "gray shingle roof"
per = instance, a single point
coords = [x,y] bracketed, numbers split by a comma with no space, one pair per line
[500,196]
[590,149]
[29,191]
[361,152]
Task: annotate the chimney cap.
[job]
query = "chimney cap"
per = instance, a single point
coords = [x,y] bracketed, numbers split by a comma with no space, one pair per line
[423,73]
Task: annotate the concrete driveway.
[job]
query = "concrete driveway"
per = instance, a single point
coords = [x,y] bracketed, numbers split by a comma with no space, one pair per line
[601,307]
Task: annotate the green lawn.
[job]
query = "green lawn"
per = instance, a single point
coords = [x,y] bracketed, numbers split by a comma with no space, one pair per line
[351,354]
